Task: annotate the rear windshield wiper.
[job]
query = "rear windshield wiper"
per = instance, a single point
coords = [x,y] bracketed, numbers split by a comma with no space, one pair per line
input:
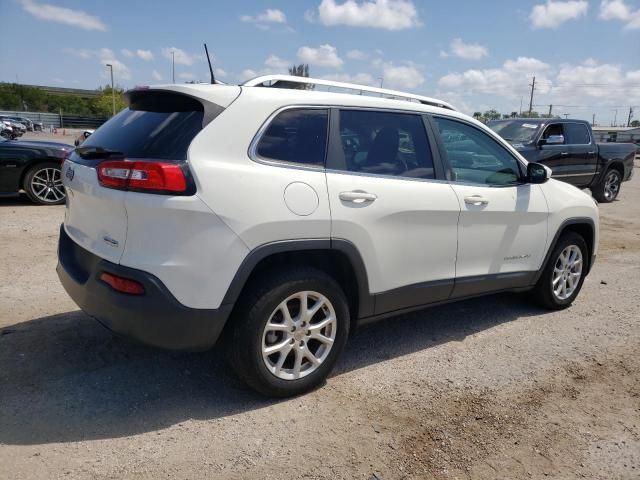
[97,152]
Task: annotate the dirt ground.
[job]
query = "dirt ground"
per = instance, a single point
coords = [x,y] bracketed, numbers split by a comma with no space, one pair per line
[492,388]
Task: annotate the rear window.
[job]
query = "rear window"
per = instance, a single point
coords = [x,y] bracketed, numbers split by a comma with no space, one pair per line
[157,125]
[296,136]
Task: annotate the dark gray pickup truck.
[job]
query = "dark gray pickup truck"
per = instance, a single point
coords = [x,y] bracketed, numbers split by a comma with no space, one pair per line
[567,147]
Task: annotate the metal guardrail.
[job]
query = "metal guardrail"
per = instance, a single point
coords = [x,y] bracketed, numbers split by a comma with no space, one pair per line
[58,121]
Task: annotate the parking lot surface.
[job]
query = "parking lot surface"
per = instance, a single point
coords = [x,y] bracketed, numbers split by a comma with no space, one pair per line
[488,388]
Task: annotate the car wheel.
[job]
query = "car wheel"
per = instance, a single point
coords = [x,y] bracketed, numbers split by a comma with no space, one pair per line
[43,184]
[609,187]
[289,331]
[564,274]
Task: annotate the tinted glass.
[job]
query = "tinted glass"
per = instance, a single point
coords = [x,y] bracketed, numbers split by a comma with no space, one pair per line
[554,129]
[385,143]
[516,131]
[296,136]
[155,126]
[576,134]
[476,157]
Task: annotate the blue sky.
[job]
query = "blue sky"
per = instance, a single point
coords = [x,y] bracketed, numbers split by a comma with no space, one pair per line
[585,54]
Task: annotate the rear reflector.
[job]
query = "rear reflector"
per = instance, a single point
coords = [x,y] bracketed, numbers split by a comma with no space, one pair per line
[121,284]
[141,175]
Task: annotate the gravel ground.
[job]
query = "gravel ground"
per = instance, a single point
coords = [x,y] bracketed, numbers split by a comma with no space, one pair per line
[487,388]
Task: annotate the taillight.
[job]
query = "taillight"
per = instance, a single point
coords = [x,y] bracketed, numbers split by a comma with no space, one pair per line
[140,175]
[121,284]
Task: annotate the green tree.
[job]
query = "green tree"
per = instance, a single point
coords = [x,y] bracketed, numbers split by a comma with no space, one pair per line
[492,115]
[301,70]
[635,123]
[102,105]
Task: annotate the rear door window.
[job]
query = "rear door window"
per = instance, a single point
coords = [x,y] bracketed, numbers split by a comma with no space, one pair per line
[576,134]
[157,125]
[296,136]
[385,143]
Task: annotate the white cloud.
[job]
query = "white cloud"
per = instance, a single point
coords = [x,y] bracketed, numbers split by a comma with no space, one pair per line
[120,70]
[220,72]
[359,78]
[264,20]
[79,52]
[181,57]
[127,53]
[619,10]
[145,54]
[578,89]
[67,16]
[401,76]
[385,14]
[157,76]
[552,14]
[323,56]
[468,51]
[276,62]
[510,81]
[356,54]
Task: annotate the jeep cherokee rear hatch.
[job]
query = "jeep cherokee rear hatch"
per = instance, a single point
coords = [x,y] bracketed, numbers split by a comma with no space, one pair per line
[142,149]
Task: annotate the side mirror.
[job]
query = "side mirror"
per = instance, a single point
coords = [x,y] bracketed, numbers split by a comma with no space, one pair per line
[537,173]
[553,140]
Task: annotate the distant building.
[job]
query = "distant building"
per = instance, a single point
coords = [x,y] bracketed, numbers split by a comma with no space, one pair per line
[617,134]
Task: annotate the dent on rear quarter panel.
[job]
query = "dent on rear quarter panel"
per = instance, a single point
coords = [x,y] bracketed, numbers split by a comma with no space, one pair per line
[182,242]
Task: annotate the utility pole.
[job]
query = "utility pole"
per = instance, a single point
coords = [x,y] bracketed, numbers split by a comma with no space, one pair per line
[381,80]
[113,91]
[630,116]
[173,67]
[533,87]
[593,120]
[615,118]
[521,97]
[566,115]
[550,109]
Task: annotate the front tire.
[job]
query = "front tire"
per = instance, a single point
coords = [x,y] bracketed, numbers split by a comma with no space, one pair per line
[564,274]
[43,184]
[609,187]
[289,332]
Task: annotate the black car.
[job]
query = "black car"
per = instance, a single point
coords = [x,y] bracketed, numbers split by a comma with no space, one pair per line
[568,148]
[33,167]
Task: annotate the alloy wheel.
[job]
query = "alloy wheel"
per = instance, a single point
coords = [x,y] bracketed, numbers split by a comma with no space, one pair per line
[46,185]
[567,272]
[299,335]
[611,185]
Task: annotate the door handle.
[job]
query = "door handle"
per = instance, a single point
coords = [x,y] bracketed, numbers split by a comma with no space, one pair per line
[591,153]
[564,154]
[357,196]
[476,200]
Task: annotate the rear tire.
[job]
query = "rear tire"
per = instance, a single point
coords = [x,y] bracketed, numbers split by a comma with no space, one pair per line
[564,274]
[43,184]
[609,187]
[270,319]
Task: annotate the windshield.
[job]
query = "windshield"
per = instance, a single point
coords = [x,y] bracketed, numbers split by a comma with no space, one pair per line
[518,131]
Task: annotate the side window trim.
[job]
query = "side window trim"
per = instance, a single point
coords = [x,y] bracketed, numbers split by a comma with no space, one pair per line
[252,151]
[445,160]
[335,154]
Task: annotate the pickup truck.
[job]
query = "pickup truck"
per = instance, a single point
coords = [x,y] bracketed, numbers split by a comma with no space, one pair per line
[567,147]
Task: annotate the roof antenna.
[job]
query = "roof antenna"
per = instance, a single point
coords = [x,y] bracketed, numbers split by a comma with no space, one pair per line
[213,78]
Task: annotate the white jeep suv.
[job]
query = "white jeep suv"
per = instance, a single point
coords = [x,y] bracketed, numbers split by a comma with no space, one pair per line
[281,218]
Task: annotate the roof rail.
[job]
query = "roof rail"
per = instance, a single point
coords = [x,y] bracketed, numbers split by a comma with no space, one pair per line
[274,79]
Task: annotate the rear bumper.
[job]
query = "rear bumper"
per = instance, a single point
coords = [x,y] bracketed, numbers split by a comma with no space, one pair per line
[155,318]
